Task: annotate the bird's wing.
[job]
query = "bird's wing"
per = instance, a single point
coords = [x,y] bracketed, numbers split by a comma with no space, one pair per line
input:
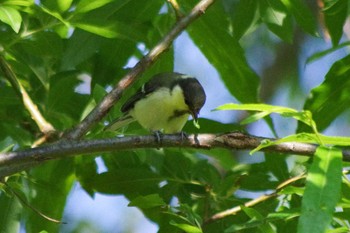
[152,85]
[119,123]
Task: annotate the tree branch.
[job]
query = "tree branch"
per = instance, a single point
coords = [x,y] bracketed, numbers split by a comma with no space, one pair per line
[255,201]
[13,162]
[44,126]
[111,98]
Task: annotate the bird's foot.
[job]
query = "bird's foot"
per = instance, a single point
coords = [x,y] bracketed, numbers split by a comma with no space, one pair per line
[158,136]
[183,135]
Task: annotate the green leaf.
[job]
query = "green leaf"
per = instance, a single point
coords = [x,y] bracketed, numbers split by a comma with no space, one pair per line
[45,45]
[126,181]
[292,190]
[63,104]
[266,109]
[109,29]
[11,17]
[6,144]
[50,185]
[25,3]
[306,138]
[9,214]
[80,46]
[321,54]
[322,191]
[85,169]
[275,16]
[224,52]
[88,5]
[245,16]
[332,97]
[258,107]
[57,5]
[211,126]
[186,227]
[302,15]
[335,13]
[264,227]
[148,201]
[55,14]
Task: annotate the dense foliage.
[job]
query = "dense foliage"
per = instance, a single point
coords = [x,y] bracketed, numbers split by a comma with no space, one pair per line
[66,54]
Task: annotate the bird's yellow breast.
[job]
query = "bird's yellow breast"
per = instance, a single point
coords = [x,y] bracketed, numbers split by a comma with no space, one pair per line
[157,111]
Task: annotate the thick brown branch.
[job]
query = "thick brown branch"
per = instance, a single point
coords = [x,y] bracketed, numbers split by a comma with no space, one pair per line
[14,162]
[110,99]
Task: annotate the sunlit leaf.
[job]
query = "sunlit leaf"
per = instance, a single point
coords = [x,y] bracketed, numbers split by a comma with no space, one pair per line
[186,227]
[87,5]
[11,17]
[322,191]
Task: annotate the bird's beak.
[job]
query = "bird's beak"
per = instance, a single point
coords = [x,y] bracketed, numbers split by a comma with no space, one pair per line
[195,118]
[195,115]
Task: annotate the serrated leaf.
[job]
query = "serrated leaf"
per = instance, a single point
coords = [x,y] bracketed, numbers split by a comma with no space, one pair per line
[11,17]
[322,191]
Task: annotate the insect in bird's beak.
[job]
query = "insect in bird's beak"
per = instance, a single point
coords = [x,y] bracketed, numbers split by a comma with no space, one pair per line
[195,119]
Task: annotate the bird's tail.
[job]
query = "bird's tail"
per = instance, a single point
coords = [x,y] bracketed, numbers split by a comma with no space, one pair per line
[119,123]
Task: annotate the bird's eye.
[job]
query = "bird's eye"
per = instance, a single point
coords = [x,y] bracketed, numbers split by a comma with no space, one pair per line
[186,102]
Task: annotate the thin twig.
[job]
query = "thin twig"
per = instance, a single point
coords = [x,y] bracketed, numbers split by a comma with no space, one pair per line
[111,98]
[25,203]
[44,126]
[255,201]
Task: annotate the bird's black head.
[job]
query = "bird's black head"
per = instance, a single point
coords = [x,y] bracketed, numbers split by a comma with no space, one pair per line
[194,95]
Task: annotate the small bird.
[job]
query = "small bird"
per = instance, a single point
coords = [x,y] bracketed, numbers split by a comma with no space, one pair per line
[163,104]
